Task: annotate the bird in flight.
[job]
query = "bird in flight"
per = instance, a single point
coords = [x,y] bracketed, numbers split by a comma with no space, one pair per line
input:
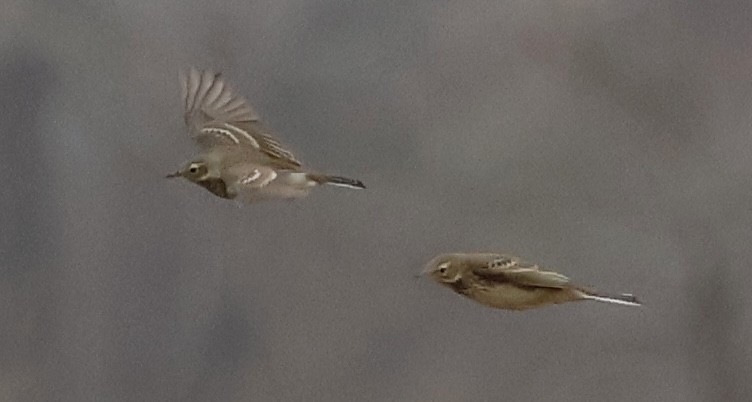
[507,282]
[239,158]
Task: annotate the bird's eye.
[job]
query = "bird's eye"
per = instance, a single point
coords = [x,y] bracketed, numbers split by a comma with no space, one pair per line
[443,267]
[193,169]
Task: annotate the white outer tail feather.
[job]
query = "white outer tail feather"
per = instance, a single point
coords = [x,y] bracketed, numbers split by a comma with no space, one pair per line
[338,181]
[625,300]
[344,185]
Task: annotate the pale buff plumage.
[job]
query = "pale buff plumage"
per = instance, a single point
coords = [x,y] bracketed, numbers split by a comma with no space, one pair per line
[507,282]
[239,157]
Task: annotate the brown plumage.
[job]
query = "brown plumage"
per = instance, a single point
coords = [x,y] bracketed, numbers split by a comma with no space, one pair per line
[507,282]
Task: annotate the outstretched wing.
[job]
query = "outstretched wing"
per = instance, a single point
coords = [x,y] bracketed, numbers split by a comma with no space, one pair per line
[505,268]
[215,115]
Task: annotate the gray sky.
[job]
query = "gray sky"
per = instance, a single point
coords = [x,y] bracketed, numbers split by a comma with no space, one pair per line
[608,140]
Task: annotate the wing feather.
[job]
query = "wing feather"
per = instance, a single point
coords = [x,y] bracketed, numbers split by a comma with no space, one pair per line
[505,268]
[247,176]
[215,115]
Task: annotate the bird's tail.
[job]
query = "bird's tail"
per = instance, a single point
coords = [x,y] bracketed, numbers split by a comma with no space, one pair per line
[337,181]
[624,299]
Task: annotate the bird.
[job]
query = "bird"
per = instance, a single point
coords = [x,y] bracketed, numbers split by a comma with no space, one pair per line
[507,282]
[239,157]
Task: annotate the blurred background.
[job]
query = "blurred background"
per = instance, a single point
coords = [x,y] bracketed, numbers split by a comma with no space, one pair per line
[606,139]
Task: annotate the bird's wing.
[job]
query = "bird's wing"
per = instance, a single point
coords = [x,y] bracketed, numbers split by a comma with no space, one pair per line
[503,268]
[215,115]
[248,176]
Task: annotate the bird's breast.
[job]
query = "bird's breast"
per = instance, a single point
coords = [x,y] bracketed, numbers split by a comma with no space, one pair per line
[513,297]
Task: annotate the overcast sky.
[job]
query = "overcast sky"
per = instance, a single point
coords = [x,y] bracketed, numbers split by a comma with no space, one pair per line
[608,140]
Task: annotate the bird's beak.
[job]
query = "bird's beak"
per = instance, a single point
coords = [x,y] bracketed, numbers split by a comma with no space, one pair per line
[424,271]
[173,175]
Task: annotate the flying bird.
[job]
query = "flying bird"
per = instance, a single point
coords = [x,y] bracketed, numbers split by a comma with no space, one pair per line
[239,158]
[507,282]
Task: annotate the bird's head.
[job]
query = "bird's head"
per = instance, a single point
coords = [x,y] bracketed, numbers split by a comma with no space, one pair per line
[195,171]
[445,268]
